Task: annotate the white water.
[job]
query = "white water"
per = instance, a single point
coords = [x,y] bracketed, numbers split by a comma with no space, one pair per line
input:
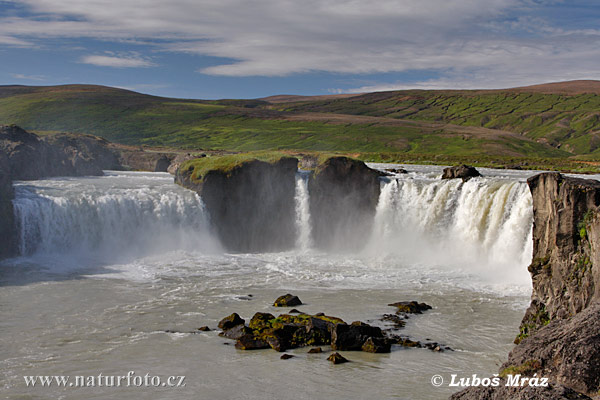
[301,198]
[107,217]
[482,226]
[140,259]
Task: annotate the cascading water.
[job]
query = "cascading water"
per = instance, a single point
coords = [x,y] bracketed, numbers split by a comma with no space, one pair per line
[301,198]
[482,225]
[120,213]
[115,265]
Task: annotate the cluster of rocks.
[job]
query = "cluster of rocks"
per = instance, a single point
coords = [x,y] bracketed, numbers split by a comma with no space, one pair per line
[296,329]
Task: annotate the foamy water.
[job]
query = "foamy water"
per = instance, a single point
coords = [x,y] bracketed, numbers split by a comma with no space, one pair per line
[109,263]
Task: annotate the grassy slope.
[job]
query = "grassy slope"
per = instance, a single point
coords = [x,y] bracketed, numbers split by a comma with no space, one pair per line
[250,125]
[572,122]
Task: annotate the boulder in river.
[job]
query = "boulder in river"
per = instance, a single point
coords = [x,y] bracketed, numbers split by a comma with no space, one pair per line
[410,307]
[465,172]
[287,300]
[337,358]
[231,321]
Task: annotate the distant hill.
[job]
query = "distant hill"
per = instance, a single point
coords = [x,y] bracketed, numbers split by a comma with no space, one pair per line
[557,120]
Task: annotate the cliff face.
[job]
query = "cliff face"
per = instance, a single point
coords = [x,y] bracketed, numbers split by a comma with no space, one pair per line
[343,200]
[565,241]
[7,227]
[560,333]
[87,154]
[31,157]
[251,205]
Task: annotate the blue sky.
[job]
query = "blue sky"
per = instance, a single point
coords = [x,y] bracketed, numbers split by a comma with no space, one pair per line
[248,49]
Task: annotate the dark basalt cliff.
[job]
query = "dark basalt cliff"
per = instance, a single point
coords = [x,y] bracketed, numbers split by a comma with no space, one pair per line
[7,237]
[565,241]
[560,332]
[251,203]
[343,200]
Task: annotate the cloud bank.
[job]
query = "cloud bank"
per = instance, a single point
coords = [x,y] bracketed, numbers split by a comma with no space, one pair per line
[465,43]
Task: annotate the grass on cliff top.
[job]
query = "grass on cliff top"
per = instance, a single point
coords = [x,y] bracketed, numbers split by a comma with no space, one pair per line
[226,163]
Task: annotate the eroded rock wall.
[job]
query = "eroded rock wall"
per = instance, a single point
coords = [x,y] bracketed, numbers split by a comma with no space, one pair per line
[252,206]
[560,333]
[343,201]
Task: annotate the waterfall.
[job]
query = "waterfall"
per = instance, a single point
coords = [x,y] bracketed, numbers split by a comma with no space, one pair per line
[124,213]
[301,198]
[482,224]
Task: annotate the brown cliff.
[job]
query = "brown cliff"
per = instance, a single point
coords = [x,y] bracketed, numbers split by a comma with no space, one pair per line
[560,333]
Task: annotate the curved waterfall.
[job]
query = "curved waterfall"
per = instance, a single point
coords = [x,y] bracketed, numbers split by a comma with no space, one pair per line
[484,223]
[130,213]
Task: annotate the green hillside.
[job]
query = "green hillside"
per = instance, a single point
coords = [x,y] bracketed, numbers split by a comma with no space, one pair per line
[479,126]
[570,122]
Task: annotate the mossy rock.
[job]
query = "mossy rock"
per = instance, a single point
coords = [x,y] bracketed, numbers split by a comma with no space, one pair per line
[337,358]
[410,307]
[287,300]
[198,168]
[231,321]
[261,321]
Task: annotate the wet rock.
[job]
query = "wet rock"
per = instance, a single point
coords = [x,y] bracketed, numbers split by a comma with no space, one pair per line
[315,350]
[260,321]
[403,341]
[396,320]
[282,336]
[410,307]
[250,342]
[286,356]
[244,197]
[353,336]
[236,332]
[376,345]
[343,200]
[433,347]
[319,314]
[231,321]
[287,300]
[204,329]
[465,172]
[294,311]
[396,170]
[337,358]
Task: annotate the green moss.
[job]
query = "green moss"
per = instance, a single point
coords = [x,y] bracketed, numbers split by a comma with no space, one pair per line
[540,264]
[583,224]
[199,167]
[541,318]
[527,368]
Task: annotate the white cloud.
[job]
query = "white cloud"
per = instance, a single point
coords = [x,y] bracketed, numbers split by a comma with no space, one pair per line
[15,42]
[491,43]
[115,61]
[29,77]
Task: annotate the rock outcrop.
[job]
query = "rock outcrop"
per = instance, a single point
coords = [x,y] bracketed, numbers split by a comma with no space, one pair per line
[251,202]
[343,199]
[565,245]
[560,333]
[87,154]
[31,157]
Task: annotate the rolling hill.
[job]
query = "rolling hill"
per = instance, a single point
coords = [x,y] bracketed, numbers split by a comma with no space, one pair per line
[558,121]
